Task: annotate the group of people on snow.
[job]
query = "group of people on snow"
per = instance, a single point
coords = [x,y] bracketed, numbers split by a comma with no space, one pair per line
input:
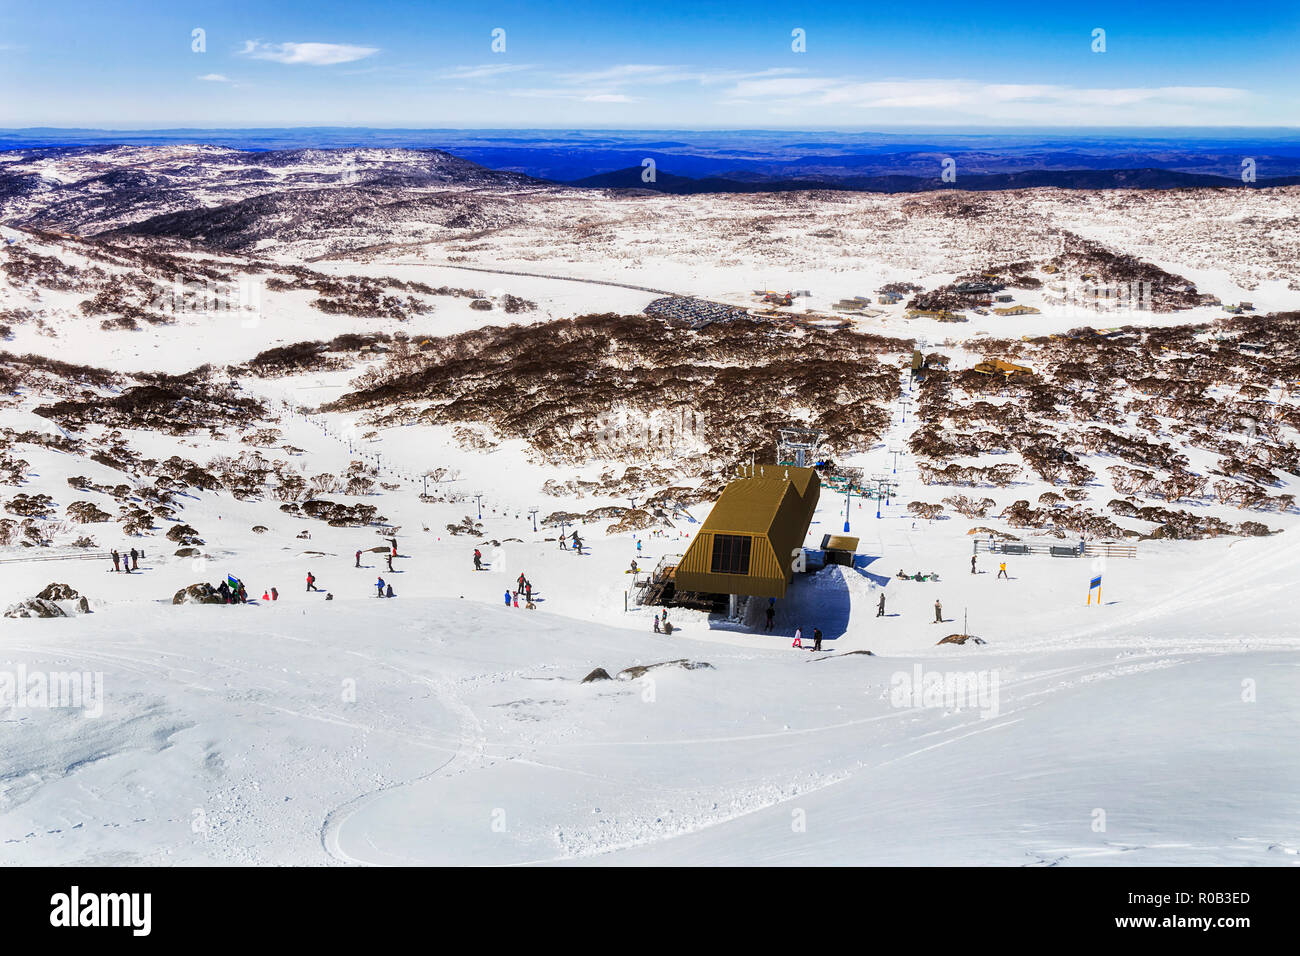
[126,562]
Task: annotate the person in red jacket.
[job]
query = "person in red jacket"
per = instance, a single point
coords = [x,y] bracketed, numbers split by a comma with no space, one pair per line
[311,582]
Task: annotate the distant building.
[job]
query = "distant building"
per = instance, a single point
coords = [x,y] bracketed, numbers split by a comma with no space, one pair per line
[1004,298]
[889,298]
[1017,310]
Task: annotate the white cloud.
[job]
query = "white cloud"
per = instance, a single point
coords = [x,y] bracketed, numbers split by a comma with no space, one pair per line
[482,71]
[215,78]
[607,98]
[311,54]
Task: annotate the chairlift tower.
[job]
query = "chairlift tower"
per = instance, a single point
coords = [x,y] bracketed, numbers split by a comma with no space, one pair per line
[798,446]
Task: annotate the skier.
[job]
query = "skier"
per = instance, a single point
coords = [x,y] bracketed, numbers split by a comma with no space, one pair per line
[1002,571]
[390,564]
[311,582]
[817,639]
[972,564]
[798,638]
[520,581]
[771,613]
[135,560]
[563,546]
[478,560]
[638,546]
[880,608]
[358,564]
[116,560]
[507,597]
[938,613]
[379,586]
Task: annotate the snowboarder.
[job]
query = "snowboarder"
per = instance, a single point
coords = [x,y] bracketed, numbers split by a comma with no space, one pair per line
[275,595]
[817,638]
[1002,571]
[771,613]
[507,597]
[478,560]
[634,566]
[116,560]
[358,564]
[798,638]
[972,564]
[379,585]
[311,582]
[880,608]
[938,613]
[135,560]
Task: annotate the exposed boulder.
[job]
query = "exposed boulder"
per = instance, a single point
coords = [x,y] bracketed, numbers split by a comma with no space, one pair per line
[640,670]
[962,639]
[35,607]
[598,674]
[201,593]
[58,592]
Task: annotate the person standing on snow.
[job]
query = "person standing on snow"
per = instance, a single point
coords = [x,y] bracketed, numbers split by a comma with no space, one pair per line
[880,608]
[116,560]
[135,560]
[528,592]
[358,564]
[390,564]
[563,546]
[938,613]
[275,595]
[126,562]
[798,638]
[507,597]
[658,629]
[972,564]
[478,560]
[1002,571]
[311,582]
[380,586]
[817,638]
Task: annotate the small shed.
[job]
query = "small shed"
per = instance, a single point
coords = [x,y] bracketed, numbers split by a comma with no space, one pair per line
[839,549]
[747,542]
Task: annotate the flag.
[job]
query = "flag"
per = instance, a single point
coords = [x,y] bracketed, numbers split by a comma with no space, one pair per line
[232,580]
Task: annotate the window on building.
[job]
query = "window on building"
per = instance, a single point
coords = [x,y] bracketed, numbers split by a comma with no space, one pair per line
[731,553]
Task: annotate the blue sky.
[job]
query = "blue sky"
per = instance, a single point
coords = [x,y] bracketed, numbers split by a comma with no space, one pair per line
[667,64]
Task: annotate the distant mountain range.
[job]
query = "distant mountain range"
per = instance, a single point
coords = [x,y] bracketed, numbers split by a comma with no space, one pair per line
[665,182]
